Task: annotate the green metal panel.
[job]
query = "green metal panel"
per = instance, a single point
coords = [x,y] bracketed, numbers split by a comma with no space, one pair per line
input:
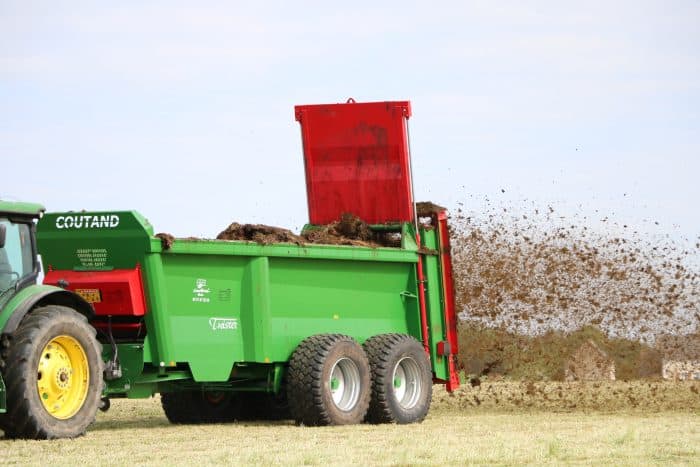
[10,303]
[132,361]
[255,313]
[158,339]
[22,209]
[354,298]
[434,301]
[287,250]
[93,240]
[214,301]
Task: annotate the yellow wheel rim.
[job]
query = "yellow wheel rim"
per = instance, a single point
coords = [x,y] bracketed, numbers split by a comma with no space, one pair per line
[63,377]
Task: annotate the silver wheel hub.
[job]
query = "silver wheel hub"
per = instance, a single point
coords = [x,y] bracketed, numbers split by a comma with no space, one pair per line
[407,383]
[345,384]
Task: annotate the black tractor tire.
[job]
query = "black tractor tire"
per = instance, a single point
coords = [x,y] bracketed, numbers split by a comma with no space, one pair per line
[198,407]
[328,381]
[63,334]
[402,379]
[4,351]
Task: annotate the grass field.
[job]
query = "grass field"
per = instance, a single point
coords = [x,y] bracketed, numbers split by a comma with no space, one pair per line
[513,422]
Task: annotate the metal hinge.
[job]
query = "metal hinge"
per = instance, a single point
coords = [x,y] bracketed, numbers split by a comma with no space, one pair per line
[406,294]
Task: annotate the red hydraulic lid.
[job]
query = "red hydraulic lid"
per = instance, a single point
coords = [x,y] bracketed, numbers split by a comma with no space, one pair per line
[357,160]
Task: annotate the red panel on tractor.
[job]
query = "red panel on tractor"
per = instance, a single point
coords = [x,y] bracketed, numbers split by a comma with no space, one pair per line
[357,160]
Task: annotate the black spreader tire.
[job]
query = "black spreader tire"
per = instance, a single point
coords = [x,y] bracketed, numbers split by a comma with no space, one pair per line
[264,406]
[197,407]
[26,416]
[402,380]
[312,399]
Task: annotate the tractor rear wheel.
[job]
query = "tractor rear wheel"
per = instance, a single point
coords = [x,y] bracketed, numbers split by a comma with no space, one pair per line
[53,375]
[328,381]
[402,380]
[195,407]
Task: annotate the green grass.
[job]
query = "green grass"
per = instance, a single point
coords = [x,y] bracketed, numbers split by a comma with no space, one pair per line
[136,432]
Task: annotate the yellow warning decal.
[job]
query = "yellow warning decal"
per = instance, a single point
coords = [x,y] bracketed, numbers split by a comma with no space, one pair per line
[90,295]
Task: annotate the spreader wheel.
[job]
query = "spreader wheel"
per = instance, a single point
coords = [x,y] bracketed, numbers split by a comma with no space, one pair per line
[402,381]
[194,407]
[328,381]
[53,375]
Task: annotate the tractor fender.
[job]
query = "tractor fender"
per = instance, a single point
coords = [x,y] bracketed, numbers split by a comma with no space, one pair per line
[36,296]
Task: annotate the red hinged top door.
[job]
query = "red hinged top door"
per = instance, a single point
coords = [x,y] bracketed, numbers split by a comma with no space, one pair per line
[357,160]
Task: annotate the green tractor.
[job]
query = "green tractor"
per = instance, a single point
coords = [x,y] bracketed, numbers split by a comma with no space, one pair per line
[50,364]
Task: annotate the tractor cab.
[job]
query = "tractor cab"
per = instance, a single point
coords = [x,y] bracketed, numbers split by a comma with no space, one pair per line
[18,262]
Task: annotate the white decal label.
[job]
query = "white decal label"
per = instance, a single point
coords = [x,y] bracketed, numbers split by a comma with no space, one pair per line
[222,324]
[87,221]
[201,291]
[92,257]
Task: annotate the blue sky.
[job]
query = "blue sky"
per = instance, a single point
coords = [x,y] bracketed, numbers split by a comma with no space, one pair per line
[184,110]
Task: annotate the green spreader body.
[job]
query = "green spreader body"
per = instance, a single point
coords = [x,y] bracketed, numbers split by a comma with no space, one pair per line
[227,315]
